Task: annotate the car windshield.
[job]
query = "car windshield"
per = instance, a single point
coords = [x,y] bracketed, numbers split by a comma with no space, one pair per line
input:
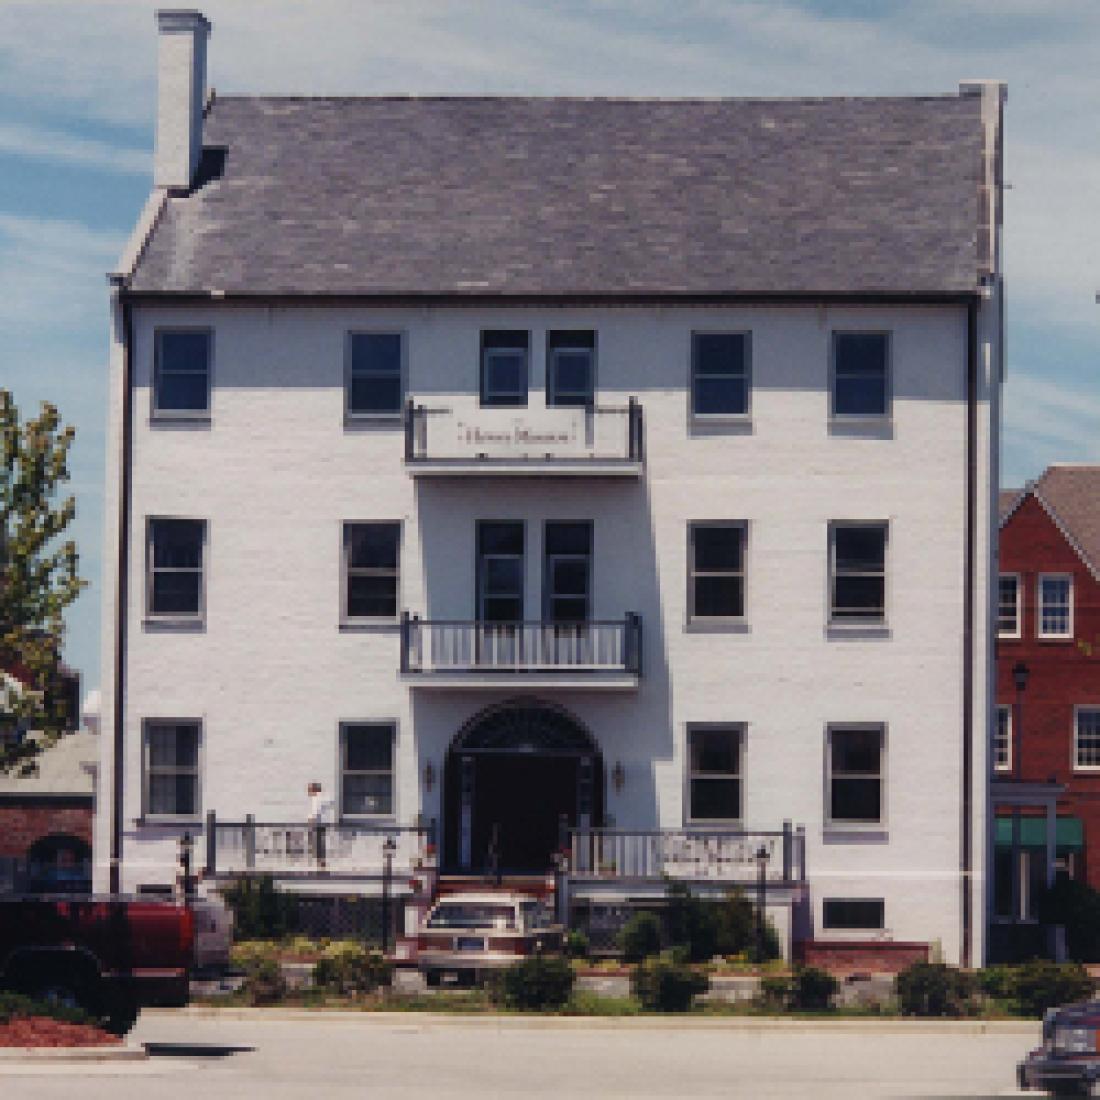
[471,914]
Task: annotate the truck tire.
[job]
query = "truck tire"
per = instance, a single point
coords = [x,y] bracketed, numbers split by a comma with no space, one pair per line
[118,1009]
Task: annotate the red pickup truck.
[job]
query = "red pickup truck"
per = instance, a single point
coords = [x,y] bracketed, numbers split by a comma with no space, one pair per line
[110,956]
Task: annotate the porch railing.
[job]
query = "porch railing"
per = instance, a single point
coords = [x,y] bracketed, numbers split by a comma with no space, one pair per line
[720,855]
[567,435]
[310,848]
[452,646]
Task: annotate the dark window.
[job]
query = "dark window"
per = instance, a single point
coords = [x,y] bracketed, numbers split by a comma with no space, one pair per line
[1008,605]
[366,770]
[500,572]
[375,376]
[861,373]
[714,773]
[504,357]
[720,373]
[568,549]
[371,563]
[853,913]
[858,566]
[570,368]
[181,375]
[172,769]
[175,563]
[716,582]
[855,776]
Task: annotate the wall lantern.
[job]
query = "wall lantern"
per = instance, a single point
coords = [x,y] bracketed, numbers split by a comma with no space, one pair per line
[618,776]
[429,776]
[1020,674]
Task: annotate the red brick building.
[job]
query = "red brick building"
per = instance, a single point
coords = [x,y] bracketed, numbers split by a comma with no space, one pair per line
[1048,644]
[46,817]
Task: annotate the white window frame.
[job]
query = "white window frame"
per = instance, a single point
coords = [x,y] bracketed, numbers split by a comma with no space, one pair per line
[346,572]
[739,731]
[1000,709]
[1078,711]
[342,771]
[746,374]
[177,618]
[856,825]
[1040,605]
[856,622]
[694,619]
[485,395]
[147,725]
[350,415]
[1018,613]
[563,346]
[156,413]
[888,380]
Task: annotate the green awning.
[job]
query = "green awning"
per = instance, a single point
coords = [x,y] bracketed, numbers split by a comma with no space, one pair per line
[1069,833]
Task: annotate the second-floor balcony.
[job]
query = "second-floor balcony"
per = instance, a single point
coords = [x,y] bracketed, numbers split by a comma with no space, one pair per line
[470,654]
[567,441]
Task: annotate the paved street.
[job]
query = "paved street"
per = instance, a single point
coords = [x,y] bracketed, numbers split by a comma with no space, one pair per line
[419,1056]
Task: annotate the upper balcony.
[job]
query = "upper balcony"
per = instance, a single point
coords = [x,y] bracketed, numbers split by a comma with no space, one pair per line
[483,655]
[562,441]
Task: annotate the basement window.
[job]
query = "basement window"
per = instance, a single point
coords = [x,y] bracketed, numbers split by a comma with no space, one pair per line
[853,914]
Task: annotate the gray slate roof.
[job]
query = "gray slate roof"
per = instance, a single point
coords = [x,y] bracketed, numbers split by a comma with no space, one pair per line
[530,196]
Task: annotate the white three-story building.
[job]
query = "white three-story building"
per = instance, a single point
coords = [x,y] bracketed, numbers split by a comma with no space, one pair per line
[521,478]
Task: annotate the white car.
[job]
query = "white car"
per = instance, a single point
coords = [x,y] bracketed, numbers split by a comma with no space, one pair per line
[466,935]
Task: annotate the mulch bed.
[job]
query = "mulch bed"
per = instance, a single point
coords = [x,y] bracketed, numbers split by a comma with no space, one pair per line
[41,1031]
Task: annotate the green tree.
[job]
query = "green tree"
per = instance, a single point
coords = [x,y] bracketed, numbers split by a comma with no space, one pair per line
[38,578]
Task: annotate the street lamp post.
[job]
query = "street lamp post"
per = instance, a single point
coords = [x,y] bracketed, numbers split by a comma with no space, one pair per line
[762,855]
[187,881]
[389,847]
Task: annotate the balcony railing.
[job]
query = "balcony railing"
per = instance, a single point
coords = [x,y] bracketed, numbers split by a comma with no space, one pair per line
[463,648]
[566,440]
[699,855]
[312,849]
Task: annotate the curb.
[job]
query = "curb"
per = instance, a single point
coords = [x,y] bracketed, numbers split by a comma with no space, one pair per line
[861,1024]
[123,1053]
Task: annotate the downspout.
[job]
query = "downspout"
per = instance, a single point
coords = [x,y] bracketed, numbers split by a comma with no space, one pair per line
[122,604]
[967,855]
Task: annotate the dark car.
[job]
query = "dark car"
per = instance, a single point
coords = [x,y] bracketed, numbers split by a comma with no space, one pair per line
[1068,1062]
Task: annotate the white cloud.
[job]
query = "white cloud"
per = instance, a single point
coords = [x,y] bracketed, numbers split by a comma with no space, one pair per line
[62,148]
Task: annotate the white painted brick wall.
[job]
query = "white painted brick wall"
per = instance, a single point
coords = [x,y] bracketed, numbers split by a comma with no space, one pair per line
[276,473]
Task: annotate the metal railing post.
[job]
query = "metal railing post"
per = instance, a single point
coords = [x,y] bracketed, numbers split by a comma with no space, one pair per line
[410,429]
[211,844]
[250,841]
[787,851]
[404,642]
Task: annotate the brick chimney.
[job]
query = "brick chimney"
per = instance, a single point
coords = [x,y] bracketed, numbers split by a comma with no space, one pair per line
[181,93]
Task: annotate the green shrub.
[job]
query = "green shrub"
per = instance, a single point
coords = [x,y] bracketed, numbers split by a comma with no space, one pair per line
[348,967]
[735,918]
[997,981]
[576,944]
[16,1006]
[247,953]
[935,989]
[691,923]
[1036,986]
[665,983]
[264,983]
[807,989]
[260,912]
[537,982]
[640,937]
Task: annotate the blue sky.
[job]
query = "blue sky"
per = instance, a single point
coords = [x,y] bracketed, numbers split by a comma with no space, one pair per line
[77,84]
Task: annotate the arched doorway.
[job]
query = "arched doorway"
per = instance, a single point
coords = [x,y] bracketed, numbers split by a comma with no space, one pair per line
[59,863]
[513,774]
